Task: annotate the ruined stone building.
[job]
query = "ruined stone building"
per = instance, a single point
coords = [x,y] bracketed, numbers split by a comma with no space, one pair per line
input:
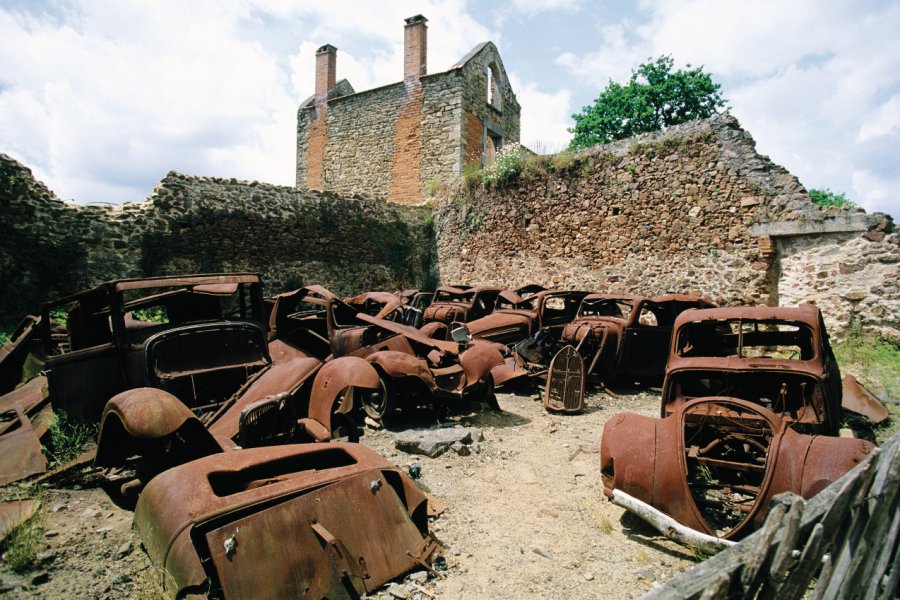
[391,142]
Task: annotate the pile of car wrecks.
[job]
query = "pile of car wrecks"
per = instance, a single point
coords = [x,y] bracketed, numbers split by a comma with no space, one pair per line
[214,403]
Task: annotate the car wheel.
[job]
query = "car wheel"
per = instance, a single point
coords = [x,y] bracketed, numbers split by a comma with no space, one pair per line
[379,403]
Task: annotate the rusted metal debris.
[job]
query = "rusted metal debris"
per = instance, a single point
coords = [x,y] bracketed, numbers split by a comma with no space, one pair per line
[417,368]
[624,336]
[564,391]
[461,304]
[861,401]
[747,396]
[20,448]
[15,512]
[309,521]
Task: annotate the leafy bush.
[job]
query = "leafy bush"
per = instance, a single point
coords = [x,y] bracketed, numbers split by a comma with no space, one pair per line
[828,198]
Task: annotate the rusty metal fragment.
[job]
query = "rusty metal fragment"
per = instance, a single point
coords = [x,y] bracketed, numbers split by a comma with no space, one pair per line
[859,400]
[309,521]
[564,391]
[14,513]
[20,448]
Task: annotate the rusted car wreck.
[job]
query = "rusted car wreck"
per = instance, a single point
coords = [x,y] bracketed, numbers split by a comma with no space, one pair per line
[309,521]
[747,396]
[623,336]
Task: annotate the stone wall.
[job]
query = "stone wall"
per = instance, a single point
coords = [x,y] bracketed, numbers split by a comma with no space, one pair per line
[388,142]
[481,117]
[678,211]
[198,224]
[852,277]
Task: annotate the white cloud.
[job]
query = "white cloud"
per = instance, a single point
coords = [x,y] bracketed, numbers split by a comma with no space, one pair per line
[545,116]
[533,7]
[883,120]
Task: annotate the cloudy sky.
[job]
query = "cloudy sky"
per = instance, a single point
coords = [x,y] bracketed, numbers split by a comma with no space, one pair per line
[102,98]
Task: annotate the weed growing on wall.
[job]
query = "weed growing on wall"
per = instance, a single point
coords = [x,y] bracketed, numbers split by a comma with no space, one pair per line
[828,198]
[507,166]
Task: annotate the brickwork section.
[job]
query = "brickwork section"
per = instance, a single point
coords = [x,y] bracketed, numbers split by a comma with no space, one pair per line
[472,143]
[199,224]
[318,136]
[406,163]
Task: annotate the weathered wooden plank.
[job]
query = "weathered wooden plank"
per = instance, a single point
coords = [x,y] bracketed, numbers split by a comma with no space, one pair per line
[810,560]
[892,586]
[719,589]
[760,551]
[784,558]
[883,560]
[882,505]
[824,578]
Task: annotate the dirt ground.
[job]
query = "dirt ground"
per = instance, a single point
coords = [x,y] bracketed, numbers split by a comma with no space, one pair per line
[525,518]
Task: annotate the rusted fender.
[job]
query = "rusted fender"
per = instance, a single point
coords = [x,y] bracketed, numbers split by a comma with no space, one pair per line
[478,359]
[513,367]
[283,376]
[436,330]
[139,420]
[332,379]
[399,364]
[500,321]
[861,401]
[645,458]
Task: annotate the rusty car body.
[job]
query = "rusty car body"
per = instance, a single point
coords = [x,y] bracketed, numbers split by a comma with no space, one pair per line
[416,368]
[529,320]
[308,521]
[198,337]
[461,305]
[750,404]
[714,464]
[779,358]
[626,336]
[146,430]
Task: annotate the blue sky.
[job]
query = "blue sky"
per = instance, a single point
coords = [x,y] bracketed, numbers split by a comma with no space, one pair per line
[101,99]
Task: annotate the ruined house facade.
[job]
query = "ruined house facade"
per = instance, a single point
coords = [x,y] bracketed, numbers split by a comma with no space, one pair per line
[392,142]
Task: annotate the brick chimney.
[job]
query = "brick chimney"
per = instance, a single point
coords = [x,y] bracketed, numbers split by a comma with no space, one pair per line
[326,70]
[415,47]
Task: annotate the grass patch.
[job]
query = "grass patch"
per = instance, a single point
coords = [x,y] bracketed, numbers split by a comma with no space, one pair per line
[19,548]
[4,337]
[68,437]
[876,357]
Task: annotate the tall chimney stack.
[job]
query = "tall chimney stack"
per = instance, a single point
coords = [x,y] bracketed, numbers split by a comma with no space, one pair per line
[415,47]
[326,70]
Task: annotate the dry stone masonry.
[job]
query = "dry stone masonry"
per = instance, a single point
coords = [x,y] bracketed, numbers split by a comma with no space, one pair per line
[202,224]
[694,209]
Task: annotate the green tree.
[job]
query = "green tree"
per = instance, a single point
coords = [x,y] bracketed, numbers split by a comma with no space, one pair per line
[654,98]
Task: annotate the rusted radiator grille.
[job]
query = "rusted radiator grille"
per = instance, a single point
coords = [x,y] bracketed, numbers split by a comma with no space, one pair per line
[565,382]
